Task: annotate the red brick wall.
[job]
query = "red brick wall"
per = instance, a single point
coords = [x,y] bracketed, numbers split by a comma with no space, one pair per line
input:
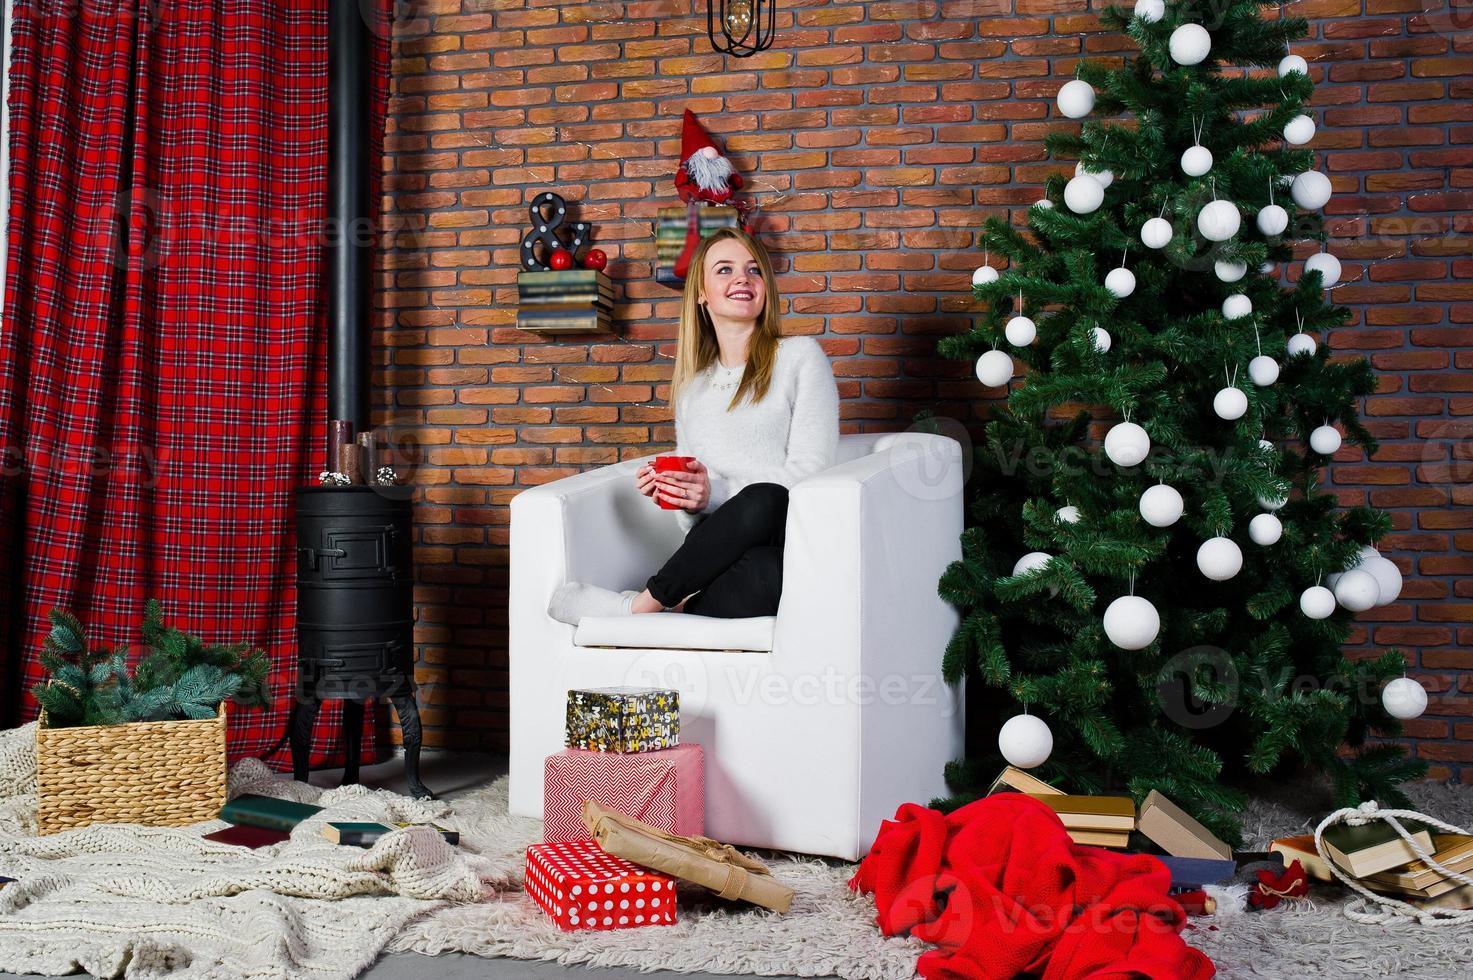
[876,137]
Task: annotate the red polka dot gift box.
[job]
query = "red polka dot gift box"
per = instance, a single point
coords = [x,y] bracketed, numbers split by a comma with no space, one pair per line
[581,887]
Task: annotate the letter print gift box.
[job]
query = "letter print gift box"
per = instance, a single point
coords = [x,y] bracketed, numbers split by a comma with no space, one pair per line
[581,887]
[623,719]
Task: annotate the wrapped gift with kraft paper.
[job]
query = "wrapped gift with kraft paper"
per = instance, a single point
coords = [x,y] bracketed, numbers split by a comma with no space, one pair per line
[581,887]
[623,719]
[666,788]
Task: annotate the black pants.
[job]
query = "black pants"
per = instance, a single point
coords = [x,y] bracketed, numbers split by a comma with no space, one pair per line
[732,560]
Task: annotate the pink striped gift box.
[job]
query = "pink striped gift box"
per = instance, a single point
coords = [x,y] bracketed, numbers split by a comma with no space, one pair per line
[665,788]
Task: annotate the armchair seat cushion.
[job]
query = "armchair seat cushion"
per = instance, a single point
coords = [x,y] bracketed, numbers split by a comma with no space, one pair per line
[676,631]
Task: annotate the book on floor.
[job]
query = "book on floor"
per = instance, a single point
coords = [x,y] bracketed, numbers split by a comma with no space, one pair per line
[1177,832]
[1372,847]
[1193,872]
[367,834]
[1301,849]
[245,835]
[1108,813]
[1118,840]
[1419,879]
[1460,898]
[266,811]
[1013,779]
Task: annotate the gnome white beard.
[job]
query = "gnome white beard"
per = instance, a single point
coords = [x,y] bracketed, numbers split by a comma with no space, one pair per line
[712,174]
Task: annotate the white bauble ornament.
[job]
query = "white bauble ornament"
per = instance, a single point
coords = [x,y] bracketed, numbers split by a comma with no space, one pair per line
[1263,370]
[1156,232]
[1105,177]
[994,369]
[1150,11]
[1020,331]
[1030,561]
[1025,741]
[1357,590]
[1299,130]
[1127,444]
[1230,404]
[1404,698]
[1311,190]
[1189,44]
[1267,445]
[1101,338]
[1132,623]
[1120,282]
[1325,440]
[1220,558]
[1044,203]
[1387,576]
[1196,161]
[1161,506]
[1083,194]
[1301,343]
[1317,602]
[1237,306]
[1292,63]
[1273,503]
[1218,221]
[1068,514]
[984,275]
[1265,529]
[1076,99]
[1326,265]
[1272,220]
[1267,268]
[1330,580]
[1229,271]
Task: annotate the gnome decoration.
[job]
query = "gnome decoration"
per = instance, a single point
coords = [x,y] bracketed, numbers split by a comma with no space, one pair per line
[705,176]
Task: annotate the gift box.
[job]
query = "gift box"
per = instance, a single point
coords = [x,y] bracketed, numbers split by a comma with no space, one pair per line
[666,788]
[581,887]
[623,719]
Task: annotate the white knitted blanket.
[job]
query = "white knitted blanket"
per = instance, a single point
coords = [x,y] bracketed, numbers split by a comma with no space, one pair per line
[148,902]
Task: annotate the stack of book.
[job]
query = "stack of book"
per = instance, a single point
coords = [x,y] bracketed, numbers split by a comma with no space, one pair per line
[566,301]
[260,820]
[1377,857]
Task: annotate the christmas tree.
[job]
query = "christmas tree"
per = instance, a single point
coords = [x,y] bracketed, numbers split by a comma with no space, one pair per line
[1149,550]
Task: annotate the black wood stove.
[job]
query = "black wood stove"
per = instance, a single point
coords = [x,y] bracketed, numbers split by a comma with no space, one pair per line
[355,557]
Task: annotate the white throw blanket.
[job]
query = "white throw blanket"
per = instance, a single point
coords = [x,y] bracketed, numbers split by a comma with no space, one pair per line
[148,902]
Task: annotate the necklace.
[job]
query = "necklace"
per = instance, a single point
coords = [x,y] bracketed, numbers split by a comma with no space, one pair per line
[725,378]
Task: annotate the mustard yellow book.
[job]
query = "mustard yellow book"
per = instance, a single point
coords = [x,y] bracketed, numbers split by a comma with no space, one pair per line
[1111,813]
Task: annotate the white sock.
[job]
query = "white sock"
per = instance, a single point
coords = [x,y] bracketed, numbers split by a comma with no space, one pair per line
[574,600]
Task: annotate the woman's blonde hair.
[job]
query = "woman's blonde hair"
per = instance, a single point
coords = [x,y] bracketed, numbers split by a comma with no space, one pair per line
[696,345]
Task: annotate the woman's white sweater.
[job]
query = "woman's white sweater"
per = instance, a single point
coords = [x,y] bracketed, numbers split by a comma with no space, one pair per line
[791,433]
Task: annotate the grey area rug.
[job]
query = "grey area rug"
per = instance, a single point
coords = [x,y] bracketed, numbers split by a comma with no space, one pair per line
[831,932]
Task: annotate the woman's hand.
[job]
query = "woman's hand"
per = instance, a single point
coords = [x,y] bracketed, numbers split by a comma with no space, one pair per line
[644,480]
[690,491]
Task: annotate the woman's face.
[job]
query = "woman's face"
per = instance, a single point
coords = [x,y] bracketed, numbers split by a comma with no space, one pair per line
[732,287]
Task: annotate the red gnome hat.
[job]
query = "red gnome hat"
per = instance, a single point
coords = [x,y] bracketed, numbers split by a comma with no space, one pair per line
[705,176]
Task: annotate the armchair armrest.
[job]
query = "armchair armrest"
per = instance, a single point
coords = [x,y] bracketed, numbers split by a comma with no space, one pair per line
[867,541]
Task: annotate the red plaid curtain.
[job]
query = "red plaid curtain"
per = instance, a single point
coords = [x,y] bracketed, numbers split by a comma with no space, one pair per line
[162,358]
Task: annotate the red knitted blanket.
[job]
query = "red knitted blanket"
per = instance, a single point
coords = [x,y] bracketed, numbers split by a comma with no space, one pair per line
[1002,891]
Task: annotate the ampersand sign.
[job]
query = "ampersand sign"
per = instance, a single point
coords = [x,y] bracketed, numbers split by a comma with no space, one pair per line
[545,233]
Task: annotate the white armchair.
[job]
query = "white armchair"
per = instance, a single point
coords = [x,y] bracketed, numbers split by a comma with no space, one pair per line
[817,722]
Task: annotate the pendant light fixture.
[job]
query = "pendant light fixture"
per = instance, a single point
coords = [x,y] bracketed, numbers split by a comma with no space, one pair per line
[740,28]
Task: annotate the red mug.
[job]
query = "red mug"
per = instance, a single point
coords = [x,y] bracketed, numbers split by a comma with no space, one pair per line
[666,464]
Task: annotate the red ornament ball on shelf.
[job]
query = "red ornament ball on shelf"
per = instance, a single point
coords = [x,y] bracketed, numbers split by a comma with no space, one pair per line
[560,259]
[595,259]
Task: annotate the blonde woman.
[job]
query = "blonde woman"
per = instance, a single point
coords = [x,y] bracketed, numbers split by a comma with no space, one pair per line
[758,412]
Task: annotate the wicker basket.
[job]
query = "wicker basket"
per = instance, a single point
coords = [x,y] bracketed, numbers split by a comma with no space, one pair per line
[155,773]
